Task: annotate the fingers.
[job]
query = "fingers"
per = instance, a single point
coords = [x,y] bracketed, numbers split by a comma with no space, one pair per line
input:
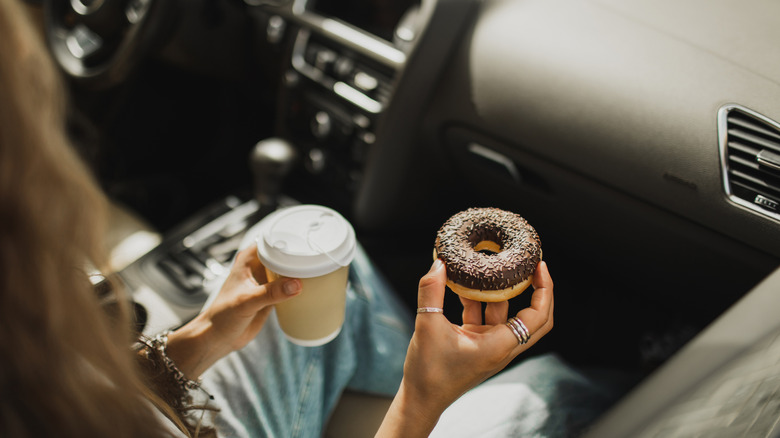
[541,300]
[472,311]
[247,259]
[247,255]
[274,292]
[538,318]
[542,279]
[432,286]
[496,313]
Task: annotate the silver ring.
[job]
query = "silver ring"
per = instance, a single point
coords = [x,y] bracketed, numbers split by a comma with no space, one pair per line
[430,310]
[515,332]
[519,330]
[523,329]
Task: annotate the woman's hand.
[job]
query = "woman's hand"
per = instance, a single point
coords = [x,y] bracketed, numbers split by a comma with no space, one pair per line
[445,360]
[233,319]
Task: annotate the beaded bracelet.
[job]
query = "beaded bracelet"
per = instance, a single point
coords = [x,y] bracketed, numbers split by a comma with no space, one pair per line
[160,343]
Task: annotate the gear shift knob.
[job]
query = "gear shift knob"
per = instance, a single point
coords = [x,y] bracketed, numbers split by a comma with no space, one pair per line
[271,160]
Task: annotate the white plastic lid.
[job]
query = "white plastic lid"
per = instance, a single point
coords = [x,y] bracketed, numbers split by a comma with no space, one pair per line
[305,241]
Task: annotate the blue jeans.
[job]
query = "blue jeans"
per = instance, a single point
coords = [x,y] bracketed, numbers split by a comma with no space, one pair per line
[273,388]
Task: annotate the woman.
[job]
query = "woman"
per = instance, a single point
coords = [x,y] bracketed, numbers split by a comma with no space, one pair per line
[61,357]
[67,368]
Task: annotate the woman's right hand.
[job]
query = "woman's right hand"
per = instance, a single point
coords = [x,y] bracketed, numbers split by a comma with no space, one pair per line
[236,316]
[445,360]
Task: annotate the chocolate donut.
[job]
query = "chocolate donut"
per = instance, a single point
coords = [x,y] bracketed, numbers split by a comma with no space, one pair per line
[490,254]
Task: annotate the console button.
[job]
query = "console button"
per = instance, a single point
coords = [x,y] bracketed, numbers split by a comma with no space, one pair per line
[343,67]
[275,30]
[365,81]
[315,161]
[321,125]
[324,59]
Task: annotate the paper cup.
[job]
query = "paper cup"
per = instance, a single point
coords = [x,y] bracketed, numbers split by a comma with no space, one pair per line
[315,244]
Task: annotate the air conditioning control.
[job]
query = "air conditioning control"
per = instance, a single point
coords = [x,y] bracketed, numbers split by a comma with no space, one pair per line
[362,82]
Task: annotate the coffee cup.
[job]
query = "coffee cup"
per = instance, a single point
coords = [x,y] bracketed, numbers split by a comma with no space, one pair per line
[315,244]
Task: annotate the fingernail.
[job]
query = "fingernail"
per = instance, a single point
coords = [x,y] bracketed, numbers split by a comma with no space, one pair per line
[437,264]
[291,287]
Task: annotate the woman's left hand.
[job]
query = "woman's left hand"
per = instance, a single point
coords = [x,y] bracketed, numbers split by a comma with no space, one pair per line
[234,318]
[445,360]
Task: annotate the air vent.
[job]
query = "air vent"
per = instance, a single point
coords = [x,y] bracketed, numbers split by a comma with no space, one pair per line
[750,159]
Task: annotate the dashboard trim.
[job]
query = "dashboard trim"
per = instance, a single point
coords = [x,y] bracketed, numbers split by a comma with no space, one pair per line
[341,89]
[346,35]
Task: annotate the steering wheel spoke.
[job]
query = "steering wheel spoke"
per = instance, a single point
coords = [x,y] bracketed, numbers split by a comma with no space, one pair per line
[99,42]
[82,42]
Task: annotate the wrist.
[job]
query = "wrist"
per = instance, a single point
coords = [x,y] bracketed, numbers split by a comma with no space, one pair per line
[160,364]
[410,415]
[191,349]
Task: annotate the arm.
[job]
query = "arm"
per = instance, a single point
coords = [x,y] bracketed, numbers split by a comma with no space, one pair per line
[234,318]
[446,360]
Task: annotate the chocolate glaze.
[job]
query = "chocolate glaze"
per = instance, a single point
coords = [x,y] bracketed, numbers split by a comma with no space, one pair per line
[516,261]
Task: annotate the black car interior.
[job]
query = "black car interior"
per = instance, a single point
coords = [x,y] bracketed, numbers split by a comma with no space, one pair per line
[640,138]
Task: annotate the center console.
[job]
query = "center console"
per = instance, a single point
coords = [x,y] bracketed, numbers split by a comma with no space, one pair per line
[343,59]
[348,91]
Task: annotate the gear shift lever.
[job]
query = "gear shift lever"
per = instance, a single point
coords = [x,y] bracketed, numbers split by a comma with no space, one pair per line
[271,160]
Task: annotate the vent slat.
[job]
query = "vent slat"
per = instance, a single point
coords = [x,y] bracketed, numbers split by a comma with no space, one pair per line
[754,171]
[741,147]
[750,178]
[743,162]
[760,189]
[749,172]
[760,141]
[753,126]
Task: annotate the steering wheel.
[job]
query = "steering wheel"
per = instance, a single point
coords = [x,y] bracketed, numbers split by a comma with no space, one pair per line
[99,42]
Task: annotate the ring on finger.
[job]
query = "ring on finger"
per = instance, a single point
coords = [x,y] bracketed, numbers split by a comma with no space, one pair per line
[430,310]
[519,330]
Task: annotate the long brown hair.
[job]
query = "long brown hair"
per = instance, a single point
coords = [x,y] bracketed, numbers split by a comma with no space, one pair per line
[65,370]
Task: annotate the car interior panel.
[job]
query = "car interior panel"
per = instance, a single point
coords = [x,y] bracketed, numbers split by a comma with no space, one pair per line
[640,138]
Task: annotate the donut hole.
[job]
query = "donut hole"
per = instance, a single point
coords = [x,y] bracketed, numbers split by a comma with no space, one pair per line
[487,247]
